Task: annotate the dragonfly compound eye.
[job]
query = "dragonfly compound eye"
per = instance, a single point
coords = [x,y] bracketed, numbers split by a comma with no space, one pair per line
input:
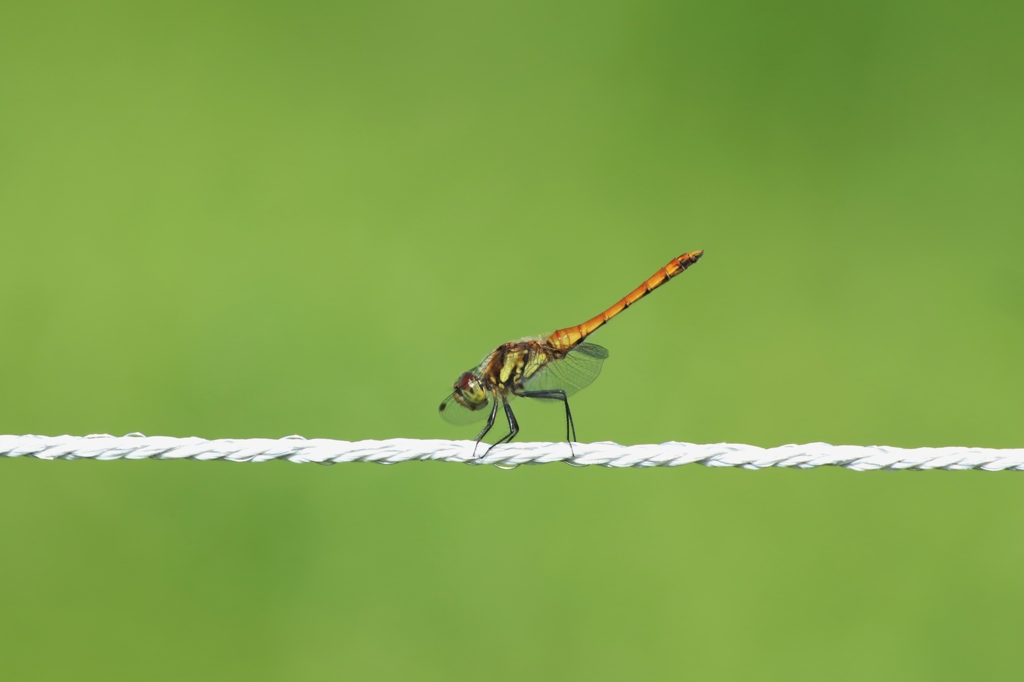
[470,392]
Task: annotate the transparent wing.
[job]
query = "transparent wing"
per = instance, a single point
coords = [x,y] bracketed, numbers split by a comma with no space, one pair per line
[575,371]
[453,412]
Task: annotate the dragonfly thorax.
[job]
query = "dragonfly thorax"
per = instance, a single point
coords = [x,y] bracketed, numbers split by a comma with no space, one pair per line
[514,362]
[470,392]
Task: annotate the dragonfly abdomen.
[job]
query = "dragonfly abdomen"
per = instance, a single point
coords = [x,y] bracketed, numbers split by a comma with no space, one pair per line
[568,338]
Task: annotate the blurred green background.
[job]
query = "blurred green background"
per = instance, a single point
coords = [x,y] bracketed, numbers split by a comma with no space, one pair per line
[261,219]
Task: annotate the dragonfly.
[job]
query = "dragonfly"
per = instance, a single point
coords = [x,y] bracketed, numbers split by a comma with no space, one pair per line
[548,368]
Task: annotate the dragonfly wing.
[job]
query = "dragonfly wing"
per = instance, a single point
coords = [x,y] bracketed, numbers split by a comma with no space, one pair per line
[454,412]
[575,371]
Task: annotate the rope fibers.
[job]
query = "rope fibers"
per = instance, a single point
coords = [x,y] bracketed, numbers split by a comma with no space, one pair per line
[324,451]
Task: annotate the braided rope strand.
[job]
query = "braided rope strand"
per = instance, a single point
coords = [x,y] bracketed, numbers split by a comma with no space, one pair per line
[325,451]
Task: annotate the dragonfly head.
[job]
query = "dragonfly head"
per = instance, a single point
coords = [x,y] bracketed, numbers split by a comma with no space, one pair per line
[469,391]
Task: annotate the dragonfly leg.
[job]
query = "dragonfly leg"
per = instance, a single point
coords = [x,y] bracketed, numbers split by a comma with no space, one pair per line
[513,426]
[556,394]
[487,426]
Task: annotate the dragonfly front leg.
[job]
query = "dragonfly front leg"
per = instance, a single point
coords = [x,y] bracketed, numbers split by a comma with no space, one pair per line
[487,426]
[513,426]
[556,394]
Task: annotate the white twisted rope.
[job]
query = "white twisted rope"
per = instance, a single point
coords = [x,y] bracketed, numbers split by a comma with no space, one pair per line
[324,451]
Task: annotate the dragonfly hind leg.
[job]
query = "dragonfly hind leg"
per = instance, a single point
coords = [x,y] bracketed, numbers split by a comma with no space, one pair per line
[556,394]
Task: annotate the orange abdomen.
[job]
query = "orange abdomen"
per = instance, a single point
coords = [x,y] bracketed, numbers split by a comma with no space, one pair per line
[569,337]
